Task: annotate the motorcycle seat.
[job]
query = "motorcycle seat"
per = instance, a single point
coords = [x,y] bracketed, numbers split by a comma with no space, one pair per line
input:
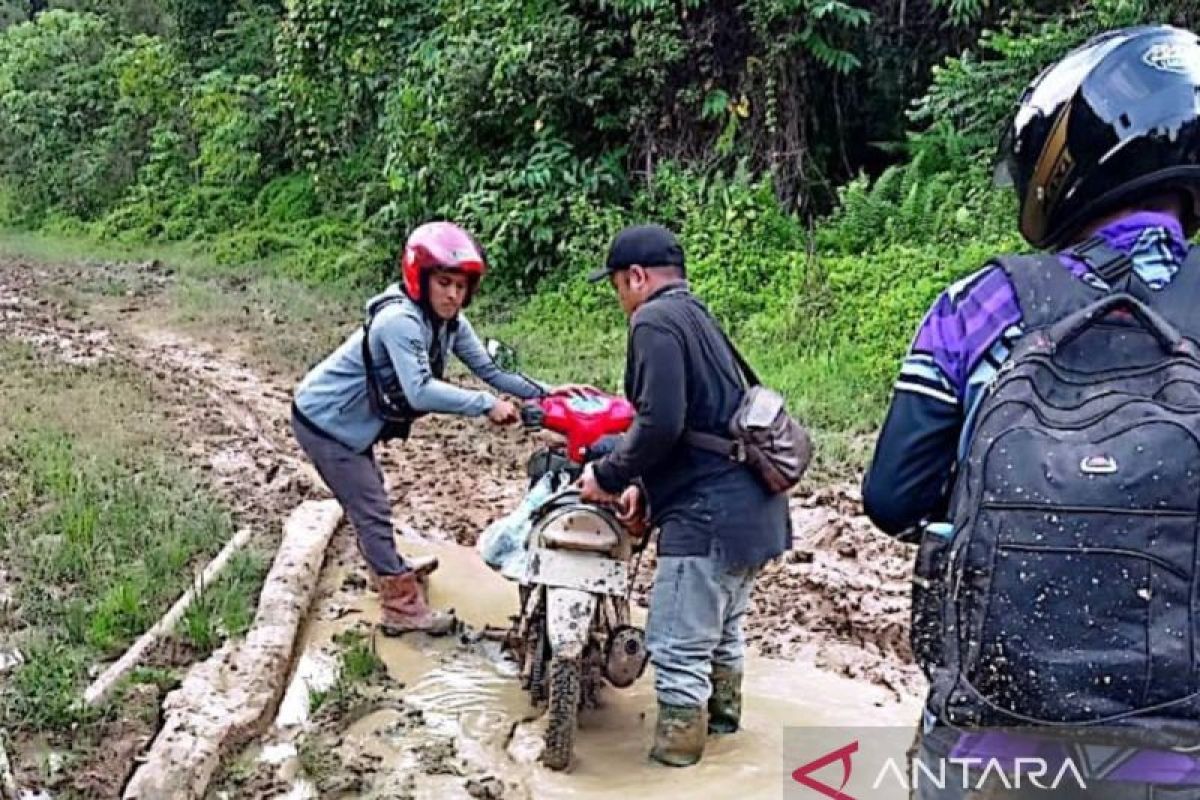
[572,531]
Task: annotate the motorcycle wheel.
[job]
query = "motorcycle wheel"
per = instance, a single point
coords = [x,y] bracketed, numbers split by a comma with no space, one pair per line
[563,711]
[537,669]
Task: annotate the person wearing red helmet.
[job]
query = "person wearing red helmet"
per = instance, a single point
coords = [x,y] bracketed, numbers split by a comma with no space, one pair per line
[382,378]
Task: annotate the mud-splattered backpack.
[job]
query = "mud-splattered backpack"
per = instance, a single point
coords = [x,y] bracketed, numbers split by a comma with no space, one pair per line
[1065,591]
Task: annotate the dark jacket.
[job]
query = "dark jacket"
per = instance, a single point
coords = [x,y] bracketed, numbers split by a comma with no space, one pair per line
[681,375]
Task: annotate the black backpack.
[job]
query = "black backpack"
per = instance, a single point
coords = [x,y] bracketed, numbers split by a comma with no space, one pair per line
[1065,591]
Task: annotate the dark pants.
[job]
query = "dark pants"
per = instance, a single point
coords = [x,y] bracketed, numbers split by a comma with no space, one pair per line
[356,482]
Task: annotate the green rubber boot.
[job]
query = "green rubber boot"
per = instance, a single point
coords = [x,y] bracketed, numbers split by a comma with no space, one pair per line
[725,704]
[679,735]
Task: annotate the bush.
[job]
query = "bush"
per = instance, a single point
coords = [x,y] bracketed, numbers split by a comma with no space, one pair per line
[57,89]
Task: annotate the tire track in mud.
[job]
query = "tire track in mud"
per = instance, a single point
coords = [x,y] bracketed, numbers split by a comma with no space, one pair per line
[839,599]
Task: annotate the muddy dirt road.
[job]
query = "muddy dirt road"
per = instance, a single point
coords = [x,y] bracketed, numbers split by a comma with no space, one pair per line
[829,623]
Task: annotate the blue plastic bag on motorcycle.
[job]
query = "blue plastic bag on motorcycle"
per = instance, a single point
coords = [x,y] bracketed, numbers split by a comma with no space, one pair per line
[503,543]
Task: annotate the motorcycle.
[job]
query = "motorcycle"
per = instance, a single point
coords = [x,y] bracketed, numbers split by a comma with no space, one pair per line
[574,632]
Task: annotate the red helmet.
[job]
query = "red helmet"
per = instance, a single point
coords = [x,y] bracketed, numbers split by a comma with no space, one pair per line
[440,245]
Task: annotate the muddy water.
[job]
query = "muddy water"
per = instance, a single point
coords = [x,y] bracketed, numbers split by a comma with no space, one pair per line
[475,723]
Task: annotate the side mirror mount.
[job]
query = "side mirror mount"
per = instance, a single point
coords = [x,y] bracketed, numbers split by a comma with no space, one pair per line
[504,356]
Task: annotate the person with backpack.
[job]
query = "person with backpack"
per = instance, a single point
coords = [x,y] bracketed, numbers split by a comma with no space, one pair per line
[718,521]
[380,380]
[1043,443]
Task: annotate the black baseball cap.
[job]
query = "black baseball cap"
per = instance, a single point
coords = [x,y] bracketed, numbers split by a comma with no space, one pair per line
[647,245]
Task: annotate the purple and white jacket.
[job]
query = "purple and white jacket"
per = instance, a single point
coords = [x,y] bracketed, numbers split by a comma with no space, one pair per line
[964,339]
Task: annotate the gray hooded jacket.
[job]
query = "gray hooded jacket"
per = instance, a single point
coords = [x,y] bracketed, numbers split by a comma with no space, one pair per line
[333,395]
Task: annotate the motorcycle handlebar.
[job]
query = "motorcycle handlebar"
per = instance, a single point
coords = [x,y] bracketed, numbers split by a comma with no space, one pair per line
[532,416]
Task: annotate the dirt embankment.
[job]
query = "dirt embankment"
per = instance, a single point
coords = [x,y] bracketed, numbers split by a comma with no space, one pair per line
[839,599]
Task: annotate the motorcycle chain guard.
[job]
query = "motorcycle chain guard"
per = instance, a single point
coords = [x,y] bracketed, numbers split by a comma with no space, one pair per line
[626,656]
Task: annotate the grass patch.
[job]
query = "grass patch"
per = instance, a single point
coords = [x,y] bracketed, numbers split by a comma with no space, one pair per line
[318,762]
[100,532]
[227,607]
[358,664]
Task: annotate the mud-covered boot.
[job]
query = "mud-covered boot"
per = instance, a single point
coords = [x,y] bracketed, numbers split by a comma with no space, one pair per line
[679,735]
[725,704]
[423,566]
[403,607]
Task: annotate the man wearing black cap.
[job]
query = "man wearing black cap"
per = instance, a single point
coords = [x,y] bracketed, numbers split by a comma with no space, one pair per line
[718,523]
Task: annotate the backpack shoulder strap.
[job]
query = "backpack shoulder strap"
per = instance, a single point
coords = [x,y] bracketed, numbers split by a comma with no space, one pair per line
[1179,301]
[372,311]
[1046,290]
[1110,265]
[374,308]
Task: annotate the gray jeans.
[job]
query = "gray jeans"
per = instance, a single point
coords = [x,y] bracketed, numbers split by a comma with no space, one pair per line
[696,610]
[356,482]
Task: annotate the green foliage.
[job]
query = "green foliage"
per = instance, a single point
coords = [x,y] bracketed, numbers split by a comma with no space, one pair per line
[57,90]
[819,27]
[337,60]
[358,665]
[359,662]
[43,692]
[129,16]
[12,12]
[311,135]
[226,608]
[962,11]
[963,98]
[509,115]
[195,21]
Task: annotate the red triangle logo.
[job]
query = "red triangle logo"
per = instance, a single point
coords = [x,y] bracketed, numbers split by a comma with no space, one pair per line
[803,775]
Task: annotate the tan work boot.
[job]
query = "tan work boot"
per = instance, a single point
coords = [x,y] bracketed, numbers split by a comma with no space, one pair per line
[422,566]
[403,607]
[725,704]
[679,735]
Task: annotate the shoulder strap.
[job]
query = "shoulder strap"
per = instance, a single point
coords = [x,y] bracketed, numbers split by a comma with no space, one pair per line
[382,303]
[721,445]
[747,371]
[748,375]
[1111,265]
[1179,301]
[372,310]
[715,443]
[1046,290]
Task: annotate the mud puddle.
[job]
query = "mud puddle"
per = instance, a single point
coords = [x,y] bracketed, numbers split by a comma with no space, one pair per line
[451,720]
